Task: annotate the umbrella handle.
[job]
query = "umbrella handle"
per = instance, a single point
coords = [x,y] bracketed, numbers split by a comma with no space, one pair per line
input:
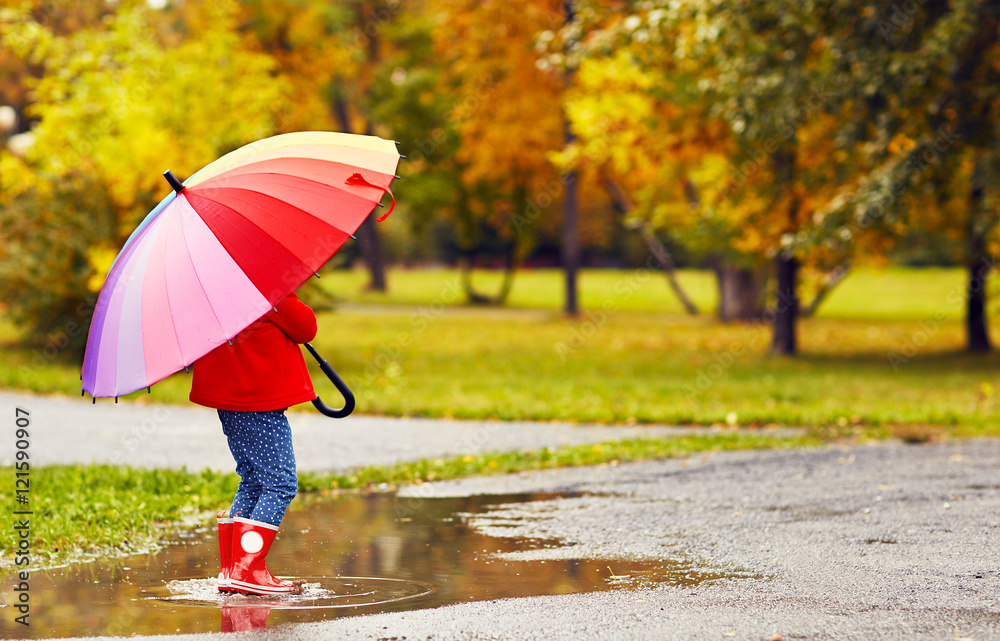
[338,383]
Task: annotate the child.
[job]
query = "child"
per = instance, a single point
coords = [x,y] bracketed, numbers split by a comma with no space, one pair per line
[251,381]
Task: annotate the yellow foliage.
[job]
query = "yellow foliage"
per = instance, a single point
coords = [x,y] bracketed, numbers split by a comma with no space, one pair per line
[508,111]
[118,104]
[100,259]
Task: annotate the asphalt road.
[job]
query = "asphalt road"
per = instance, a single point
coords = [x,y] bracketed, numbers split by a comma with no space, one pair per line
[886,541]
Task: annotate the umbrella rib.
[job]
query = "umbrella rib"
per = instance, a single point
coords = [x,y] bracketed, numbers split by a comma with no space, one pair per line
[105,297]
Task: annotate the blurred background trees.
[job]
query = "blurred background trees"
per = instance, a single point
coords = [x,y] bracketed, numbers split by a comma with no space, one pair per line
[778,143]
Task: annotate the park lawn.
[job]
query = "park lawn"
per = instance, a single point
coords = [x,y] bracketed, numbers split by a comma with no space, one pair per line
[886,351]
[894,293]
[644,368]
[631,290]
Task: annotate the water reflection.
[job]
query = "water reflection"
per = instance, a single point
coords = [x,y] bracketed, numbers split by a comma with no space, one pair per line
[415,542]
[243,619]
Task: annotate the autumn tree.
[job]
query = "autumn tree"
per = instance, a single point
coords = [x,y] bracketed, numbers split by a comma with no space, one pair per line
[783,79]
[116,103]
[331,54]
[639,134]
[925,85]
[507,118]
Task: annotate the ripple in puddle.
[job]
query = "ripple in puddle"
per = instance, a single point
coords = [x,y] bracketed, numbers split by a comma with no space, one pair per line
[358,555]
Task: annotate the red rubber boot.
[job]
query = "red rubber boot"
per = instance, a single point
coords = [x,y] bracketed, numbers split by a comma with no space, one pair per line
[251,542]
[225,550]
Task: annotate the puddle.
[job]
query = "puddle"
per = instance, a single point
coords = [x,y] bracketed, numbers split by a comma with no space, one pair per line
[357,554]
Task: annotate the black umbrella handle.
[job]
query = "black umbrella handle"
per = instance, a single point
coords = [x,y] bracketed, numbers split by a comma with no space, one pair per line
[338,383]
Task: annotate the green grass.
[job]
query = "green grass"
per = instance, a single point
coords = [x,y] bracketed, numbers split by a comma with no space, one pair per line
[894,293]
[626,290]
[900,293]
[897,361]
[84,511]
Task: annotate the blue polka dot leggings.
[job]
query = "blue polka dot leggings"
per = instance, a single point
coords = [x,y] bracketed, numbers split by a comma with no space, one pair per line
[261,443]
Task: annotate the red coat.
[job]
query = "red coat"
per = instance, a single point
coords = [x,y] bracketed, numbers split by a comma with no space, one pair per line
[263,369]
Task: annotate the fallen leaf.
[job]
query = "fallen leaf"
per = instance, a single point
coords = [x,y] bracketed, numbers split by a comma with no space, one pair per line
[958,638]
[618,576]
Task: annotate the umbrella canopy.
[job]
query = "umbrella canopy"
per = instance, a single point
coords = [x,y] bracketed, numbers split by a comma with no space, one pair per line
[226,246]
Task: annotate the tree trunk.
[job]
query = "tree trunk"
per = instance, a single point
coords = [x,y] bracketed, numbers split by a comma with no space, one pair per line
[656,248]
[741,293]
[834,278]
[509,269]
[371,250]
[570,237]
[368,236]
[669,269]
[786,310]
[570,244]
[977,337]
[786,307]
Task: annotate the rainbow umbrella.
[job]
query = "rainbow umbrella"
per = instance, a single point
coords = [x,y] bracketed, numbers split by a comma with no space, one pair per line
[225,247]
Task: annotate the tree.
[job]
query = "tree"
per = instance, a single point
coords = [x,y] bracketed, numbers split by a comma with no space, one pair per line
[643,139]
[507,119]
[116,103]
[331,54]
[927,82]
[800,113]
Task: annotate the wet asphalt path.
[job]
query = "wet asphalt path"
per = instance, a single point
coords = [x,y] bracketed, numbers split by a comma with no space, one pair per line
[886,541]
[72,430]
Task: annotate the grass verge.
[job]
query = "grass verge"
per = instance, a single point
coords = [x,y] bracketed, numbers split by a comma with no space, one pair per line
[86,511]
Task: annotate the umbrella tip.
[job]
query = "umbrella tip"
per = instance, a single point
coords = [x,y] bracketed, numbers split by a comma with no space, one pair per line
[172,179]
[397,142]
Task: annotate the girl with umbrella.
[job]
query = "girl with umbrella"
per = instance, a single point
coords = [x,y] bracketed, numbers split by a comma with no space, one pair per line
[226,247]
[251,382]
